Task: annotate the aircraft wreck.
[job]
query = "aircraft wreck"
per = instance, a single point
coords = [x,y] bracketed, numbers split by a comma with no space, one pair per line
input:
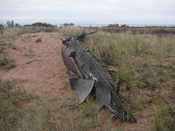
[93,79]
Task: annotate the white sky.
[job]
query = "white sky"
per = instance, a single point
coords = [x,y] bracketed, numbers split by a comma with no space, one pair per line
[89,11]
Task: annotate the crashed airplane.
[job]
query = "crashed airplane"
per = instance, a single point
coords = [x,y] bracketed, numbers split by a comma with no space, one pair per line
[93,79]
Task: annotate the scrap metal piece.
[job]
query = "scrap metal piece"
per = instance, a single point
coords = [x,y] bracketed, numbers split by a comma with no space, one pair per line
[82,87]
[68,61]
[103,96]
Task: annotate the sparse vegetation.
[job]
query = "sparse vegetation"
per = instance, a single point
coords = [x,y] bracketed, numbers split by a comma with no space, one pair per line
[164,116]
[141,60]
[11,101]
[71,31]
[5,61]
[16,31]
[142,66]
[164,121]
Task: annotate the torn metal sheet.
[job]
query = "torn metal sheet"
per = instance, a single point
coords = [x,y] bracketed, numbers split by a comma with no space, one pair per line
[103,96]
[82,87]
[68,61]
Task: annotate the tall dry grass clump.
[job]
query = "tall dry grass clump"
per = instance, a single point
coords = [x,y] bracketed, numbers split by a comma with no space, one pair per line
[139,60]
[71,31]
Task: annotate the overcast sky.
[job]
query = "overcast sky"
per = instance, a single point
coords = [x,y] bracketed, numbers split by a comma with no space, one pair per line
[89,11]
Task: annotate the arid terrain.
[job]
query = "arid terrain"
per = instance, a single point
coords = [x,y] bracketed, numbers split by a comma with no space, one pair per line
[51,105]
[39,65]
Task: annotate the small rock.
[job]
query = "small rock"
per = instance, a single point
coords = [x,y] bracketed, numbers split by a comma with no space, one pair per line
[38,40]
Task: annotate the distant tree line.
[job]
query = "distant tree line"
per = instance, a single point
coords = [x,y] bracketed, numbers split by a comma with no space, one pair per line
[117,25]
[146,26]
[68,24]
[40,24]
[11,23]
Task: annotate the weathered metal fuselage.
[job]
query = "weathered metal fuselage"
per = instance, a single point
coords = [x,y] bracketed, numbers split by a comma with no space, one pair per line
[90,68]
[93,75]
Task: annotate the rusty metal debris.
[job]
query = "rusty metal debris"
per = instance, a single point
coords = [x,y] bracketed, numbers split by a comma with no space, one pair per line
[93,78]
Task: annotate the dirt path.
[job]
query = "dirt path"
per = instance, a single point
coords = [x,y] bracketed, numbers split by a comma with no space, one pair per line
[39,65]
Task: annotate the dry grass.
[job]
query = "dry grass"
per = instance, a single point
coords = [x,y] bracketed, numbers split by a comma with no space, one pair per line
[5,61]
[164,115]
[16,31]
[44,112]
[11,101]
[140,60]
[139,63]
[142,66]
[71,31]
[20,111]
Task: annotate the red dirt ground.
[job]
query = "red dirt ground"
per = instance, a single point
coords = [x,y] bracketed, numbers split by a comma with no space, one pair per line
[39,65]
